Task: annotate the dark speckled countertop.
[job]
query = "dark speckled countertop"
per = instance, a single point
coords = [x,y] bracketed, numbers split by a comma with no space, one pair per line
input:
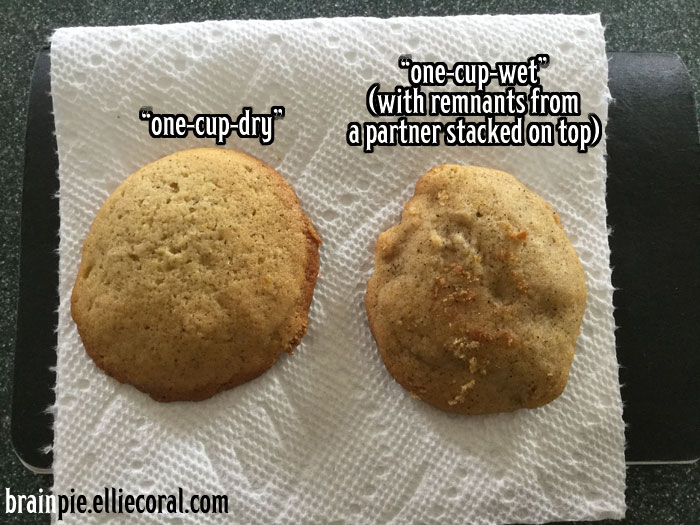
[655,494]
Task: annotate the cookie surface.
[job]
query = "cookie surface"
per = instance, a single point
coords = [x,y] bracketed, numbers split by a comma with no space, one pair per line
[477,296]
[197,273]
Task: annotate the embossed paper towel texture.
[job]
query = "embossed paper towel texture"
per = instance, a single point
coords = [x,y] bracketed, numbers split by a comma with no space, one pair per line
[327,435]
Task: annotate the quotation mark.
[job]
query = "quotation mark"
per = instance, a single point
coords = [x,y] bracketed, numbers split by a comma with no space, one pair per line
[405,61]
[277,112]
[543,61]
[145,112]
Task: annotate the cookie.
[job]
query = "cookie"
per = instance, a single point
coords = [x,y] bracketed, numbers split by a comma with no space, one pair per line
[477,296]
[197,273]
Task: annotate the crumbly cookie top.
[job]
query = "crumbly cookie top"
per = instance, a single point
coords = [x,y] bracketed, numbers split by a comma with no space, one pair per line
[477,296]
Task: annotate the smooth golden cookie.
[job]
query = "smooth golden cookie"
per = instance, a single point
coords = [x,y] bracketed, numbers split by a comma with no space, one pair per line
[477,296]
[197,273]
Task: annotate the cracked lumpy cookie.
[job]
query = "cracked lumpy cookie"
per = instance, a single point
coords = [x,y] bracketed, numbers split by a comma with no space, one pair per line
[197,273]
[477,296]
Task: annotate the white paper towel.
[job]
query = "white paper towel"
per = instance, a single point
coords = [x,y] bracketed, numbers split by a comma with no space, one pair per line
[327,436]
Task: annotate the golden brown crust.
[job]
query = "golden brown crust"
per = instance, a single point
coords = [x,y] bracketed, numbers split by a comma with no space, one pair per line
[197,273]
[477,296]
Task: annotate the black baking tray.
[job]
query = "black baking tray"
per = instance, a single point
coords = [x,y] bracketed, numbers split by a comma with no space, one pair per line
[653,197]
